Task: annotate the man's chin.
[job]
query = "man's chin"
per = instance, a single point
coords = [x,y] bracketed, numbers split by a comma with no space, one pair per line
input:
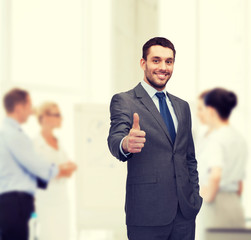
[161,83]
[159,87]
[158,83]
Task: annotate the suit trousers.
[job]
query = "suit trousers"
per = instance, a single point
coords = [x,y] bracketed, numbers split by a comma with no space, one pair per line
[15,212]
[179,229]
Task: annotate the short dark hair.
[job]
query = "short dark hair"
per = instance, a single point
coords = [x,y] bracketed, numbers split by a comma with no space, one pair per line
[222,100]
[203,94]
[14,97]
[157,41]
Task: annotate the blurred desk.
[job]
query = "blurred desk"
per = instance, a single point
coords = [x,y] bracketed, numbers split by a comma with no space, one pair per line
[228,234]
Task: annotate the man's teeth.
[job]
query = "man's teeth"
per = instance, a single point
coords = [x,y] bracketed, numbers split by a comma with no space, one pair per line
[161,75]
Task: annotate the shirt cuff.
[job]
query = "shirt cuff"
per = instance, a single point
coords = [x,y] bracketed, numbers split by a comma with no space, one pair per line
[54,170]
[121,150]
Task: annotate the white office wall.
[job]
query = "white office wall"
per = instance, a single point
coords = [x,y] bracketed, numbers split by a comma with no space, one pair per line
[101,178]
[211,38]
[224,61]
[3,49]
[97,52]
[133,23]
[247,109]
[60,50]
[178,23]
[223,51]
[45,48]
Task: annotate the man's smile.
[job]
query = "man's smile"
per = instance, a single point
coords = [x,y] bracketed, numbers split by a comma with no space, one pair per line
[161,75]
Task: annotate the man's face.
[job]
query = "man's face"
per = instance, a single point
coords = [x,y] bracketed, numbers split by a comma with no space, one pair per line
[25,110]
[158,67]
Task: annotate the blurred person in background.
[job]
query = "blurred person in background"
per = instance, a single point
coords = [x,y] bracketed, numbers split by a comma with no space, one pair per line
[222,157]
[201,108]
[22,169]
[201,140]
[53,206]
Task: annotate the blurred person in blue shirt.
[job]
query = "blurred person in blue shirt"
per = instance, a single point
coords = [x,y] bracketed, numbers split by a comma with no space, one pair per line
[22,170]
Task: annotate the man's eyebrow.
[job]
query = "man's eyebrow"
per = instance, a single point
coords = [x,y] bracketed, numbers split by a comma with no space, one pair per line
[157,57]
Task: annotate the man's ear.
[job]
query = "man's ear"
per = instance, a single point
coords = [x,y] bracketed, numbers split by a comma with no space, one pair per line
[143,63]
[18,108]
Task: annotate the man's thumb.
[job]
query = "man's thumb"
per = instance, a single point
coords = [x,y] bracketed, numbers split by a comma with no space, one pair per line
[136,121]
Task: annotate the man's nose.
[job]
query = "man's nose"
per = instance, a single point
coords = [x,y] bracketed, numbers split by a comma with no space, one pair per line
[163,65]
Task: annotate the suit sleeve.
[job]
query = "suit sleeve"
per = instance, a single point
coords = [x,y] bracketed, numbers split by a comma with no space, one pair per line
[121,122]
[191,160]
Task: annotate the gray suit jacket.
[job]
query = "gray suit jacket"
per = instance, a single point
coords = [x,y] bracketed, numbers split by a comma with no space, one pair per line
[163,174]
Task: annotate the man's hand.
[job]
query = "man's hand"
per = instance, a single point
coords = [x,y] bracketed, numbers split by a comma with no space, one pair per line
[134,141]
[66,169]
[240,188]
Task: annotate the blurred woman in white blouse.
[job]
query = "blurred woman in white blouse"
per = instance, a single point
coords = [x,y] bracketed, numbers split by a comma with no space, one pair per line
[52,204]
[222,158]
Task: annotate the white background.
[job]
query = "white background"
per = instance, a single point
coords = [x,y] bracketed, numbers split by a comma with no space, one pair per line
[62,51]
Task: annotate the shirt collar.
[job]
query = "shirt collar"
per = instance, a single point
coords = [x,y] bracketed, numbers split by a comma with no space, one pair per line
[14,123]
[151,90]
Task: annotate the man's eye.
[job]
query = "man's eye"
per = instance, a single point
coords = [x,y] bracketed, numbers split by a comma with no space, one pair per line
[155,61]
[169,62]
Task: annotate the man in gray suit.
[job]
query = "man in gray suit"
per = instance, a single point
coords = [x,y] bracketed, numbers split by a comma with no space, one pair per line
[151,131]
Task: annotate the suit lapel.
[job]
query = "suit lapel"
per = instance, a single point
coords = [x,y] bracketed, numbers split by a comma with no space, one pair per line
[143,96]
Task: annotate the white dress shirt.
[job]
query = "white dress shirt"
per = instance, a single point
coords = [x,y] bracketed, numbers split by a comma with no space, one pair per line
[151,92]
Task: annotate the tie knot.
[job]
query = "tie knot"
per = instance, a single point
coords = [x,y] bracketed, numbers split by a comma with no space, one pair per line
[160,95]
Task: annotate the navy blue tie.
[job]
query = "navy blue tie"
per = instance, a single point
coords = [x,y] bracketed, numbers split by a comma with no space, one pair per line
[166,115]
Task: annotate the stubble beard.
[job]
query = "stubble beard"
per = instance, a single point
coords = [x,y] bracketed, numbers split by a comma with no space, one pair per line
[154,84]
[150,78]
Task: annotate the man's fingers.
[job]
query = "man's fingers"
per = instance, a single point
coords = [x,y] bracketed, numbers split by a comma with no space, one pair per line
[137,133]
[136,121]
[135,144]
[135,148]
[136,139]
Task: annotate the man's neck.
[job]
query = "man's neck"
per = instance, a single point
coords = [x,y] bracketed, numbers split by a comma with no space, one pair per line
[15,117]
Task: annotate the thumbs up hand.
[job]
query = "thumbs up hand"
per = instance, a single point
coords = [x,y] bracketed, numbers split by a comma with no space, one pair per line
[135,124]
[134,141]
